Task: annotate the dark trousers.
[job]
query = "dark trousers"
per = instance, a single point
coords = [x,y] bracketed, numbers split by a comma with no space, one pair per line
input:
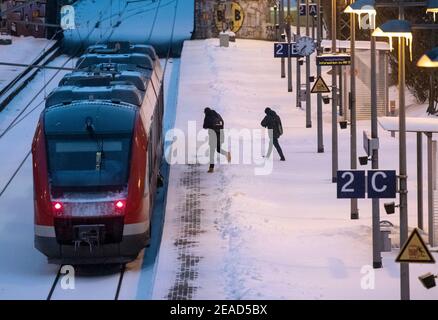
[274,142]
[215,142]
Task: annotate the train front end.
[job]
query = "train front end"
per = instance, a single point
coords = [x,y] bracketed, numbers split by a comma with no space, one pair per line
[90,197]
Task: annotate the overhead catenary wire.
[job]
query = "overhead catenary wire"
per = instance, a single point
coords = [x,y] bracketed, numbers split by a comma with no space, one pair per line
[9,181]
[154,21]
[17,119]
[11,124]
[171,37]
[148,10]
[18,78]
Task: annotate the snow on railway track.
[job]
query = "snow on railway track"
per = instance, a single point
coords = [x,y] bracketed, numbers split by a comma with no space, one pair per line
[24,272]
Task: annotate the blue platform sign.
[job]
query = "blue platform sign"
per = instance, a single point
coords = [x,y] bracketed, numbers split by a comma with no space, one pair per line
[351,184]
[382,184]
[313,9]
[281,50]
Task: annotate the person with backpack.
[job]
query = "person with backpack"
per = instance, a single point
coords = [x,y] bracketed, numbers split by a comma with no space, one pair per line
[215,125]
[273,122]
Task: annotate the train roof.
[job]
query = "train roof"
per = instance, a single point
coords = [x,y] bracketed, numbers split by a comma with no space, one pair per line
[118,93]
[123,47]
[106,118]
[107,78]
[119,67]
[135,59]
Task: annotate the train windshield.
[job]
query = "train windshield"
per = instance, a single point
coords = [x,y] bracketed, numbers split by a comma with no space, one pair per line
[86,162]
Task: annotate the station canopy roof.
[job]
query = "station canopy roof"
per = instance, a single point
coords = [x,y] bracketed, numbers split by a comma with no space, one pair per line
[412,124]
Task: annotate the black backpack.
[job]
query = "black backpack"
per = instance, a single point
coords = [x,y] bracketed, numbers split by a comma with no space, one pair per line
[218,123]
[279,125]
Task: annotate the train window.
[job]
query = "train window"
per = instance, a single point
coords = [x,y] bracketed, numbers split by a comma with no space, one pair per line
[86,163]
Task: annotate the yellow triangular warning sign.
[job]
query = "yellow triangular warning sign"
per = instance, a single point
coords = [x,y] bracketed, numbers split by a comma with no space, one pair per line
[415,250]
[320,86]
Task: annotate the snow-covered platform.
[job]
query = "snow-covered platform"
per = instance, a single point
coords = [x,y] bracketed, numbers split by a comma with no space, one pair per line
[24,50]
[284,235]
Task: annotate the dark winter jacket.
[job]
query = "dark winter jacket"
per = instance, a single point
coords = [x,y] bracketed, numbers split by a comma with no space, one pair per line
[272,121]
[213,121]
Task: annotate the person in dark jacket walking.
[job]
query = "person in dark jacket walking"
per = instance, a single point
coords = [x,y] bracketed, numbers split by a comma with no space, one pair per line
[215,125]
[273,122]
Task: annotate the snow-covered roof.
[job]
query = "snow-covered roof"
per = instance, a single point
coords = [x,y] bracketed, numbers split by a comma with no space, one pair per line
[136,59]
[123,48]
[91,79]
[412,124]
[67,94]
[360,45]
[229,32]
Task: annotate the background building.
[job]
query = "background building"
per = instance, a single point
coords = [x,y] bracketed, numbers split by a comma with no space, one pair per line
[251,19]
[26,19]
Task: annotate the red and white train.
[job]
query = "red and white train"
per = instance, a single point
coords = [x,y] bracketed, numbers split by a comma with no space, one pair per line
[96,156]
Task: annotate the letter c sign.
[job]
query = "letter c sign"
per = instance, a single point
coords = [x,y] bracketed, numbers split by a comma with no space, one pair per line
[382,184]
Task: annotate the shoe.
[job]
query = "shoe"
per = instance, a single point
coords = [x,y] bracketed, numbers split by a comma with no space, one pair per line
[229,157]
[283,159]
[210,170]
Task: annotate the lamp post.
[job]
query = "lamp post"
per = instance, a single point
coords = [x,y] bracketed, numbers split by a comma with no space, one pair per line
[276,20]
[367,7]
[298,83]
[308,100]
[319,130]
[334,100]
[289,40]
[401,29]
[282,29]
[354,210]
[429,60]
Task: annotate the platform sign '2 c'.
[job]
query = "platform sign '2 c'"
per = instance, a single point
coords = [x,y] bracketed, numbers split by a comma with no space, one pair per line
[354,184]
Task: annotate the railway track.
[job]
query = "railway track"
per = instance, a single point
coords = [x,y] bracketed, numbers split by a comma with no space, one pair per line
[20,82]
[83,287]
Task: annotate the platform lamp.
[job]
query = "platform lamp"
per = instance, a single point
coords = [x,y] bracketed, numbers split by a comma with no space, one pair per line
[432,7]
[429,59]
[401,29]
[360,7]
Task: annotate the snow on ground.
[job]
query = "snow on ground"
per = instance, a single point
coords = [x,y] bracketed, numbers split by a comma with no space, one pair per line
[277,236]
[24,272]
[22,50]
